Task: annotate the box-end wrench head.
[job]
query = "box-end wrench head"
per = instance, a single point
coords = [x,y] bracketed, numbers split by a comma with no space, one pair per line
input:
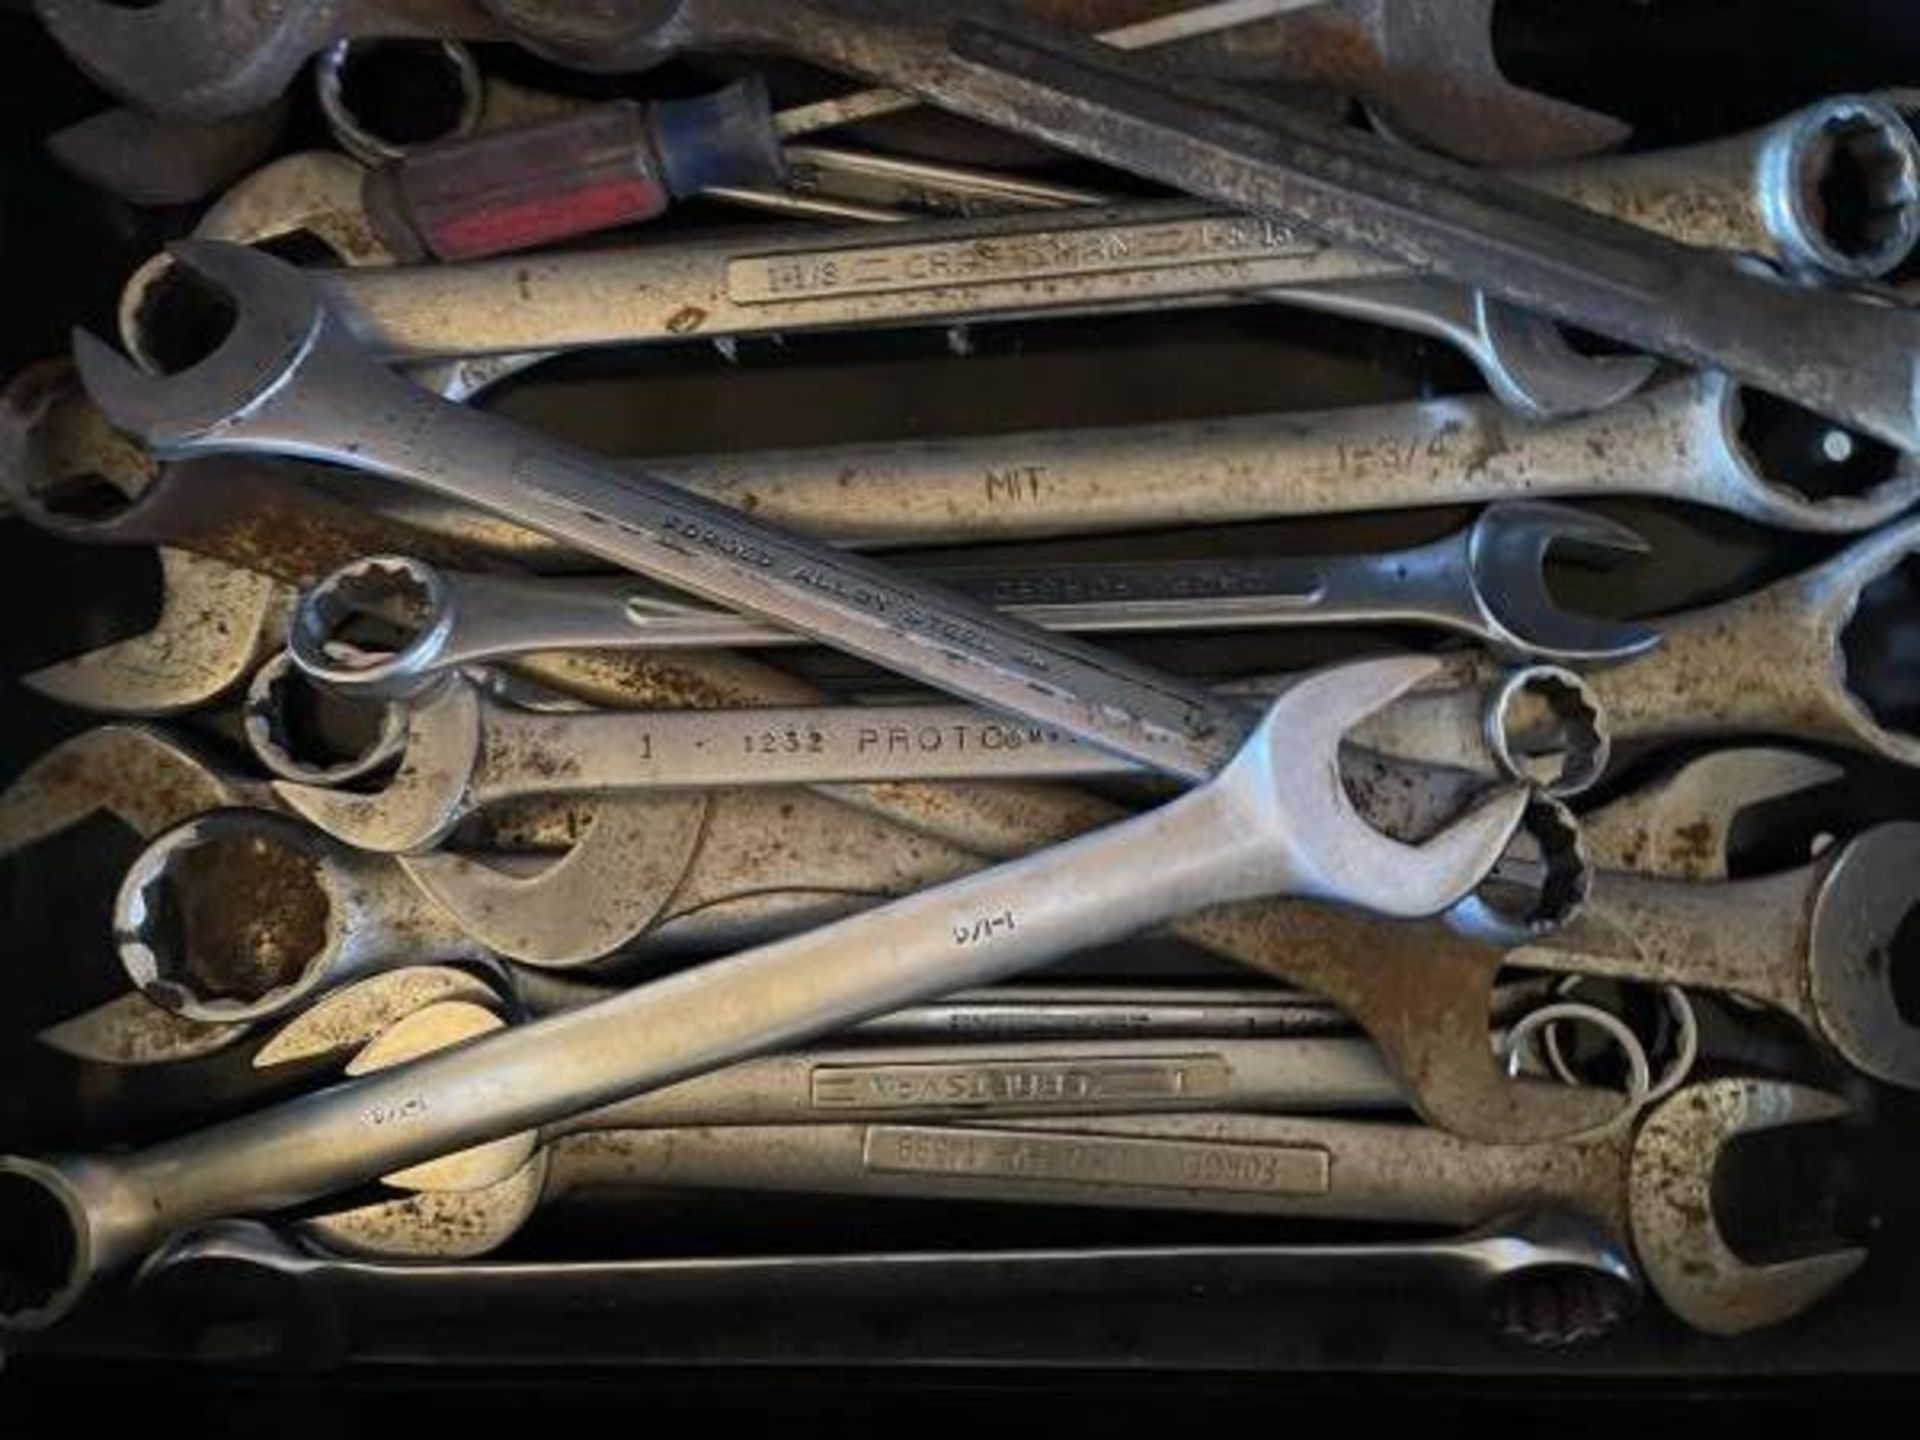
[210,58]
[1681,827]
[321,913]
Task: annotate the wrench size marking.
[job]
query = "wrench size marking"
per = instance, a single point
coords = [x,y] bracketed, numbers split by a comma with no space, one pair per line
[1015,483]
[1090,250]
[842,1087]
[985,928]
[1147,1164]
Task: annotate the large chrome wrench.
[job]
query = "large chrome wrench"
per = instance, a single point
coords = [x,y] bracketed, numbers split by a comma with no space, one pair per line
[1843,357]
[1276,821]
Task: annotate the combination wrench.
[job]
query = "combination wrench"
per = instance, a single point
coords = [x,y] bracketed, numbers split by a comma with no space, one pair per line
[387,625]
[1133,257]
[1698,439]
[1432,65]
[1844,357]
[1276,821]
[1538,1279]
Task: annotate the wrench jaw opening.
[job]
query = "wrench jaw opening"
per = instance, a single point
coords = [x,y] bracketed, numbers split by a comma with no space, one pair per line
[1787,466]
[309,736]
[182,662]
[1507,554]
[1865,933]
[427,795]
[1670,1201]
[606,892]
[272,328]
[1322,847]
[1682,827]
[235,916]
[188,58]
[378,626]
[1533,368]
[1840,189]
[1859,603]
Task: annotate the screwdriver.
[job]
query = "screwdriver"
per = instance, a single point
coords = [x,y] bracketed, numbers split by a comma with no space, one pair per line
[623,162]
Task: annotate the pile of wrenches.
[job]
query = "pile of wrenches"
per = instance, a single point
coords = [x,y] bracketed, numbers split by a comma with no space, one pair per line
[503,828]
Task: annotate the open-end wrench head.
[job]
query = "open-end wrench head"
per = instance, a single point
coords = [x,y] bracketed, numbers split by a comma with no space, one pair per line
[141,776]
[1507,554]
[1447,92]
[1670,1203]
[1861,936]
[1324,848]
[425,1031]
[603,894]
[425,797]
[185,660]
[203,58]
[609,35]
[343,1021]
[276,317]
[1533,367]
[434,1224]
[1681,826]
